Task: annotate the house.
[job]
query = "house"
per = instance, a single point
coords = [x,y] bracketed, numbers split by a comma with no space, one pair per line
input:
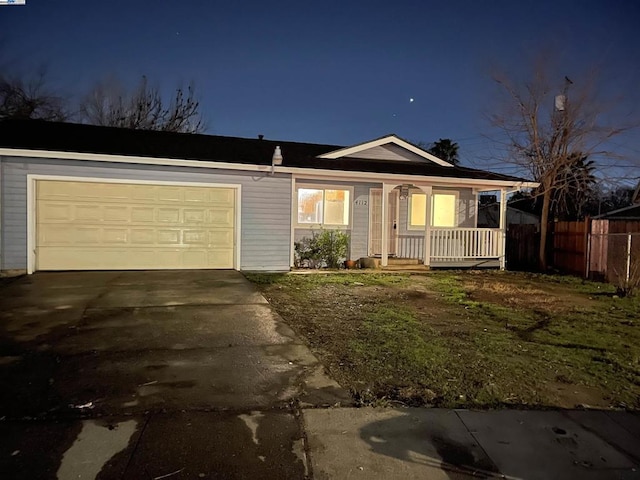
[489,216]
[81,197]
[630,212]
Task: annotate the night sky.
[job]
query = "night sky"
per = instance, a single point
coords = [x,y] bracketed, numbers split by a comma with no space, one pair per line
[330,72]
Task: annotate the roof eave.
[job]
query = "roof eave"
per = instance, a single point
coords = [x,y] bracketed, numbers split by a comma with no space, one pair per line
[309,172]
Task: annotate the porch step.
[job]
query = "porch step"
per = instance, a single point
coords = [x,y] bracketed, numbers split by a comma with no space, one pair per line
[393,263]
[402,261]
[404,268]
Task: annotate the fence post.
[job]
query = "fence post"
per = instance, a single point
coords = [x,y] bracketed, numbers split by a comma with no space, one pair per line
[628,277]
[587,246]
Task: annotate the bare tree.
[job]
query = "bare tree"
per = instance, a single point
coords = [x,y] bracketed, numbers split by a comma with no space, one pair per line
[549,126]
[30,99]
[144,108]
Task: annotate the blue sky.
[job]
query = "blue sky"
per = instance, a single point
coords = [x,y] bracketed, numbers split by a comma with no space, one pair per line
[335,72]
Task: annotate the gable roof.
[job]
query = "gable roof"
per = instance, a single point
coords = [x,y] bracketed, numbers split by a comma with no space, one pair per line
[25,136]
[360,150]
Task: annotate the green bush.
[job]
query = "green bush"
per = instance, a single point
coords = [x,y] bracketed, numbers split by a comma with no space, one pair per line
[325,249]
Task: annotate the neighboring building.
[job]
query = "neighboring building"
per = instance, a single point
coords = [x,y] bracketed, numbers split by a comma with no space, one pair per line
[80,197]
[489,216]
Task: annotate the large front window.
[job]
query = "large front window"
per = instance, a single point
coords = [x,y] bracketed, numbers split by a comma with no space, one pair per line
[443,210]
[323,206]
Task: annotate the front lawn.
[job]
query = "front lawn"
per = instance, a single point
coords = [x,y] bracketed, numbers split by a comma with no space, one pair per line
[467,339]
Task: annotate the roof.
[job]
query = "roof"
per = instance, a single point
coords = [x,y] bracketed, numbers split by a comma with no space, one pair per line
[627,213]
[80,138]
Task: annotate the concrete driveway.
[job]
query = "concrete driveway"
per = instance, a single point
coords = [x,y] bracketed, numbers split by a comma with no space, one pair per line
[159,349]
[191,375]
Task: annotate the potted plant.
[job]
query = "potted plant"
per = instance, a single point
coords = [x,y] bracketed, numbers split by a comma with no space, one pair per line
[350,264]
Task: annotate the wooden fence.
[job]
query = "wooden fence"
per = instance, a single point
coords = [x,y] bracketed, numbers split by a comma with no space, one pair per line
[569,246]
[523,243]
[596,249]
[609,251]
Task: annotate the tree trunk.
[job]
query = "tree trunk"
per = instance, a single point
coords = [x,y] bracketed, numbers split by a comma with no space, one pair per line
[544,225]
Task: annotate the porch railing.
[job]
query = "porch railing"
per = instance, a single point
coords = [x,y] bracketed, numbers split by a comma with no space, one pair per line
[453,243]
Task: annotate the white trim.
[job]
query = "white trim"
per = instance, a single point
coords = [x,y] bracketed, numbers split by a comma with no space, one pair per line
[343,152]
[503,228]
[384,221]
[31,224]
[294,212]
[319,174]
[31,204]
[428,191]
[319,186]
[100,157]
[237,238]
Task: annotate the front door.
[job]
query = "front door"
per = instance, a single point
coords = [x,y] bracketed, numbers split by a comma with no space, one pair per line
[375,222]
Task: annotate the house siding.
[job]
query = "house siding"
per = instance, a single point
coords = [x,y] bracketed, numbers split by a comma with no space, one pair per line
[265,204]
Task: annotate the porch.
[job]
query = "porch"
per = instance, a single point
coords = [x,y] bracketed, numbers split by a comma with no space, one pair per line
[449,247]
[440,231]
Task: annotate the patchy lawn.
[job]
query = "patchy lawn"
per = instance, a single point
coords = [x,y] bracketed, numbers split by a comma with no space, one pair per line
[472,339]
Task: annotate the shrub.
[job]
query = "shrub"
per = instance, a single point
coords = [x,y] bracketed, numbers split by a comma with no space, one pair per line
[327,248]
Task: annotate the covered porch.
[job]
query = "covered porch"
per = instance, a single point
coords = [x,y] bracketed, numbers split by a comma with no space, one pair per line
[428,242]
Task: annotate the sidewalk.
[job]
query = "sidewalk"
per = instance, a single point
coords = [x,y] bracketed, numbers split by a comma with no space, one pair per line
[332,443]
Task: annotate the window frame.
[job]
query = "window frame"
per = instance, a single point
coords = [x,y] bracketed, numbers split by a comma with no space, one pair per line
[413,227]
[324,188]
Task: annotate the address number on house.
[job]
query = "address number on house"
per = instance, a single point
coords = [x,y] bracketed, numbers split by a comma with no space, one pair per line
[363,203]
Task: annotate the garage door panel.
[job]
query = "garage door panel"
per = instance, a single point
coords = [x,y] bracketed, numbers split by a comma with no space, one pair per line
[143,214]
[85,213]
[168,215]
[53,211]
[82,225]
[220,238]
[221,217]
[112,236]
[195,216]
[220,258]
[222,197]
[169,237]
[195,237]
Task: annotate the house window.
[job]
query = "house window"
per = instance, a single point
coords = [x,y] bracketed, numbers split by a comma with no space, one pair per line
[443,210]
[323,206]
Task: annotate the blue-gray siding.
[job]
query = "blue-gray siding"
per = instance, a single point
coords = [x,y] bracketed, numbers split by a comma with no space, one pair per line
[265,204]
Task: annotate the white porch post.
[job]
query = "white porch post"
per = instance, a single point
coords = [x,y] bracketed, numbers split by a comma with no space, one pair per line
[385,227]
[427,225]
[503,229]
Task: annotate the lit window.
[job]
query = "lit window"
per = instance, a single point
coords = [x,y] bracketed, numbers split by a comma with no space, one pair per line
[318,206]
[443,210]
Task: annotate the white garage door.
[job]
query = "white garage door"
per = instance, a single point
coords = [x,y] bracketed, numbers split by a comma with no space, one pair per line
[116,226]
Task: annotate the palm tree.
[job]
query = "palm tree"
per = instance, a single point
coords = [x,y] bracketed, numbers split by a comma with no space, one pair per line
[573,187]
[445,150]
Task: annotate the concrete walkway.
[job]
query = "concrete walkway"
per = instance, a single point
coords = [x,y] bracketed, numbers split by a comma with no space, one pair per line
[154,375]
